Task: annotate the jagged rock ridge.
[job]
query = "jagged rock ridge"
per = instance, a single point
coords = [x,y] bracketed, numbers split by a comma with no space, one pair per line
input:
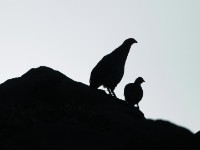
[45,109]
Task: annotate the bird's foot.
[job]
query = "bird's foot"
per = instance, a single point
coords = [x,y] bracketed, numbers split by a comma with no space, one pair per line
[137,107]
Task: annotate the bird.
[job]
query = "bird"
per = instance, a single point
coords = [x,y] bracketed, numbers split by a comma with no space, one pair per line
[133,92]
[110,69]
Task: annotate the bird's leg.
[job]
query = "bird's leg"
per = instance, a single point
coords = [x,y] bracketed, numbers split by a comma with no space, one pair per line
[114,94]
[138,107]
[109,91]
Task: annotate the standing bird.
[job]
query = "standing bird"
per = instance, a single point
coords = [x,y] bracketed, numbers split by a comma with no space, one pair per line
[110,69]
[133,92]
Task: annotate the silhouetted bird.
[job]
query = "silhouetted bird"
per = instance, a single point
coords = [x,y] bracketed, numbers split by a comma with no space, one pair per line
[110,69]
[133,92]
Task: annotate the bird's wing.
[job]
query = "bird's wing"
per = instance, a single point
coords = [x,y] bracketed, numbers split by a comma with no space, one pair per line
[104,66]
[107,69]
[99,71]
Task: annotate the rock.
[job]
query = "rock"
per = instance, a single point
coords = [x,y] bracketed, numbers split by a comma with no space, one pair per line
[198,136]
[44,109]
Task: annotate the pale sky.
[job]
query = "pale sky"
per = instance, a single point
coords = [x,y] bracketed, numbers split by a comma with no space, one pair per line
[73,35]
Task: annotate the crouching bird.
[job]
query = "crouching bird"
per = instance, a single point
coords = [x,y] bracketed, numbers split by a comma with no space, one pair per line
[110,69]
[133,92]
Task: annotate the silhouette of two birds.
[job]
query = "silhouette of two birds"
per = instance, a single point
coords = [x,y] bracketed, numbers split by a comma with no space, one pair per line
[110,69]
[133,92]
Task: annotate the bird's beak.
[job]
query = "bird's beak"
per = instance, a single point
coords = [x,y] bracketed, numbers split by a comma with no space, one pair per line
[136,42]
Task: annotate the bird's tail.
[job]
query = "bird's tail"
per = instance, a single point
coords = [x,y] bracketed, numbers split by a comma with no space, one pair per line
[94,84]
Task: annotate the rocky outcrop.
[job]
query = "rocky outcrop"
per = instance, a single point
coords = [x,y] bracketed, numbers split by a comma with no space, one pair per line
[45,109]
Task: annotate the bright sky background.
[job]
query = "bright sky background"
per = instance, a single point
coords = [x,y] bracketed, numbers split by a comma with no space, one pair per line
[73,35]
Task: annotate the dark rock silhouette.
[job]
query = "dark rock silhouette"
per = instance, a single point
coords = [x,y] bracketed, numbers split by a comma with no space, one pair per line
[110,69]
[44,109]
[133,92]
[198,136]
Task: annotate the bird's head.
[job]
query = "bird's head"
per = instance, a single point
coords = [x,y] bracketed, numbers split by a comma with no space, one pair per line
[130,41]
[139,80]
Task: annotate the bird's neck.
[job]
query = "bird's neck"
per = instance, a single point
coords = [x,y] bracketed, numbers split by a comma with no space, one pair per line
[138,83]
[122,51]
